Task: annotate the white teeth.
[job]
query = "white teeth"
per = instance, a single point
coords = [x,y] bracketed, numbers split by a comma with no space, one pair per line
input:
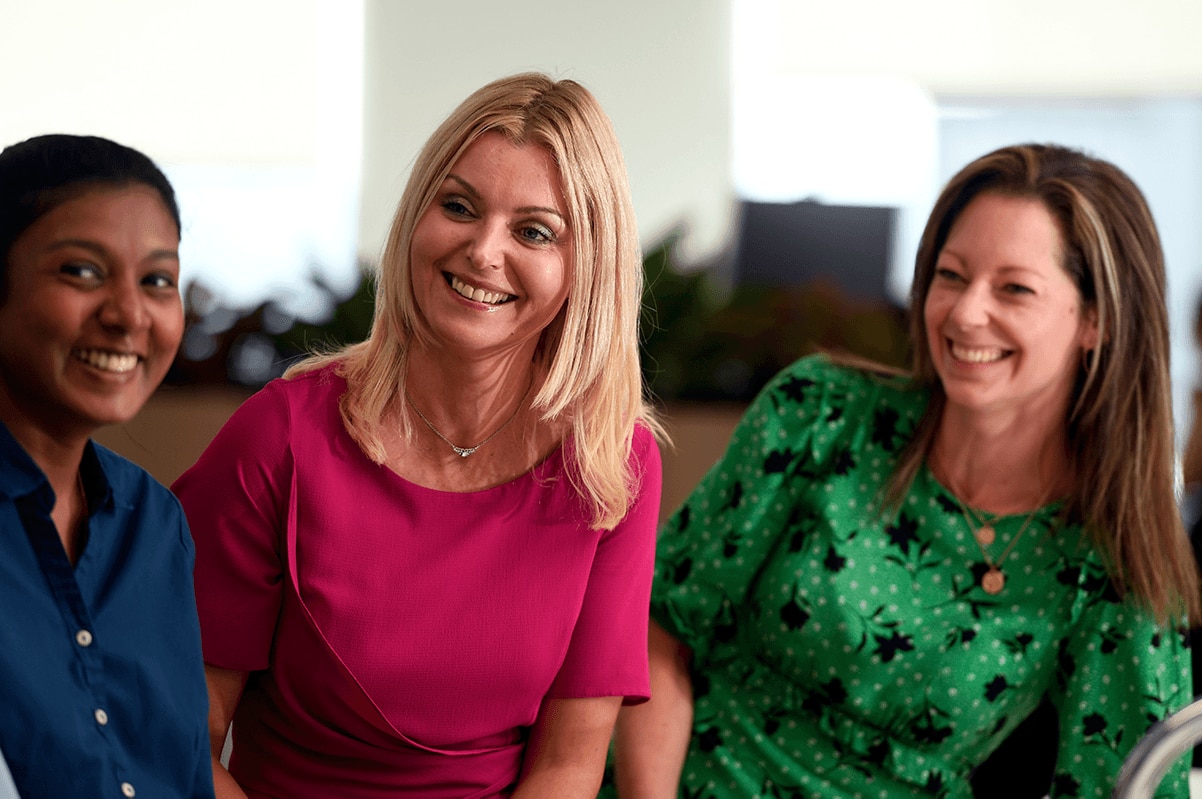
[108,361]
[981,355]
[478,295]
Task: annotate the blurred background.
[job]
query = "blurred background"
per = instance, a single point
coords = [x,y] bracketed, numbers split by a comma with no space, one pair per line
[783,157]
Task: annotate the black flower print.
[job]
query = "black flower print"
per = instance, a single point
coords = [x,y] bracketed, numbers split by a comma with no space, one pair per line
[736,495]
[725,627]
[834,562]
[709,739]
[887,646]
[947,506]
[1019,643]
[1097,731]
[779,461]
[926,728]
[1069,575]
[959,636]
[795,388]
[799,528]
[1110,641]
[843,462]
[679,572]
[903,532]
[793,613]
[884,429]
[1065,785]
[996,687]
[825,695]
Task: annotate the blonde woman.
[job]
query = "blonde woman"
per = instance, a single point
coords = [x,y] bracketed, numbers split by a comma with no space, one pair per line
[885,575]
[424,561]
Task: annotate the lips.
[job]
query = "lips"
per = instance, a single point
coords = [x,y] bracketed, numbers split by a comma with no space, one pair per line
[107,361]
[976,354]
[476,294]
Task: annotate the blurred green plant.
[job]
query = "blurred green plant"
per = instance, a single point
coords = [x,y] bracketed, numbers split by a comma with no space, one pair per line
[702,340]
[705,342]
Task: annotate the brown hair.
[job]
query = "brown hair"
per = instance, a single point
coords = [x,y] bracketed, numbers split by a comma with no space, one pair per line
[1120,422]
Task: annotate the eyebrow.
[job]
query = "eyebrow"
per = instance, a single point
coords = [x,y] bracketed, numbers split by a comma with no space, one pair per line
[91,246]
[525,209]
[1003,268]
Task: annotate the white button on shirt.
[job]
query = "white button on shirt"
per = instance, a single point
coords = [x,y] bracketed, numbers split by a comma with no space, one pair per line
[83,638]
[102,718]
[127,790]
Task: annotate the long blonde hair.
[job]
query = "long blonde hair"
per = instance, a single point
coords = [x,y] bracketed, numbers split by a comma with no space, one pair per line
[590,351]
[1120,422]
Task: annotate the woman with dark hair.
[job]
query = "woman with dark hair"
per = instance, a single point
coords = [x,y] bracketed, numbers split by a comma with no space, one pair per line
[101,682]
[886,574]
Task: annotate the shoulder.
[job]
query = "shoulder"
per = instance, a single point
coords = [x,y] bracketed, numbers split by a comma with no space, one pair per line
[133,488]
[286,399]
[817,385]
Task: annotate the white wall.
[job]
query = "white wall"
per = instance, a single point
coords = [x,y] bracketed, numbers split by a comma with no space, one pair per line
[660,69]
[1049,47]
[218,81]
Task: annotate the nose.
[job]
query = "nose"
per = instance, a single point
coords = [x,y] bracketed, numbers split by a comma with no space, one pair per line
[123,309]
[972,306]
[487,248]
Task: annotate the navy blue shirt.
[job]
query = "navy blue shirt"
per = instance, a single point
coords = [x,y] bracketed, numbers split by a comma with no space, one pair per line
[102,689]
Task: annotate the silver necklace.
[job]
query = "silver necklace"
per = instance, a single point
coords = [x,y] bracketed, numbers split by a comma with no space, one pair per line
[463,452]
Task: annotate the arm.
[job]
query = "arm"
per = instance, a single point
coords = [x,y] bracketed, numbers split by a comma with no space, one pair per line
[1119,673]
[225,690]
[652,738]
[565,755]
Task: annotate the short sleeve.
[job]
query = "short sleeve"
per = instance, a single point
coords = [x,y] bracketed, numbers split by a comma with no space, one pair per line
[713,547]
[607,655]
[1119,673]
[234,499]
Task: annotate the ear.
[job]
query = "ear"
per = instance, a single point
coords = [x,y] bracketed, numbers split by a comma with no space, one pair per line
[1090,335]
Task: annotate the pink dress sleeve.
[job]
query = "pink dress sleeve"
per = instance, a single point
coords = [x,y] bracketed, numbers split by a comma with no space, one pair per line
[607,655]
[233,497]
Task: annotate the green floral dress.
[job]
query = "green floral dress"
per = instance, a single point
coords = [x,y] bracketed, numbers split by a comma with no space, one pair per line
[842,653]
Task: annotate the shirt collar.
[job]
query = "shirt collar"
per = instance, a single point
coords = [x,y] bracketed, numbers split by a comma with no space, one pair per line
[20,475]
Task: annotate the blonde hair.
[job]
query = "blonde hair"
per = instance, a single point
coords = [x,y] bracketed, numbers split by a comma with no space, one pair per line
[1120,423]
[590,351]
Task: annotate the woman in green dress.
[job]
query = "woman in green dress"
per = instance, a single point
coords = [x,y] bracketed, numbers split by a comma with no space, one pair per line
[885,574]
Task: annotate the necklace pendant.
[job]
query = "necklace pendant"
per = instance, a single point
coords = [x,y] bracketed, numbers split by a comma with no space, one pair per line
[986,535]
[463,452]
[994,581]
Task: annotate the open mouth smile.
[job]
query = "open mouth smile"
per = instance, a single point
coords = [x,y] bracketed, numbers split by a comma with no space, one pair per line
[976,354]
[474,294]
[105,361]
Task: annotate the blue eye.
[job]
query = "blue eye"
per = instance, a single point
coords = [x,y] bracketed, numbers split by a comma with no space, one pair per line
[538,234]
[456,207]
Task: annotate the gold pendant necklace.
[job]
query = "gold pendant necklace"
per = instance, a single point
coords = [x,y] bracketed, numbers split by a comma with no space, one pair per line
[984,533]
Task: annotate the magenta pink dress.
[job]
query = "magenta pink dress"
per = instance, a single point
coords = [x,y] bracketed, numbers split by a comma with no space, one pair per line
[401,639]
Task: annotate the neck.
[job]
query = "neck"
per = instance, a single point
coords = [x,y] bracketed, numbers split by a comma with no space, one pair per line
[1002,468]
[467,402]
[60,461]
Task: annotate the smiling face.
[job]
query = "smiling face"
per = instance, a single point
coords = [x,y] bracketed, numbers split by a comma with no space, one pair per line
[92,317]
[1004,319]
[491,256]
